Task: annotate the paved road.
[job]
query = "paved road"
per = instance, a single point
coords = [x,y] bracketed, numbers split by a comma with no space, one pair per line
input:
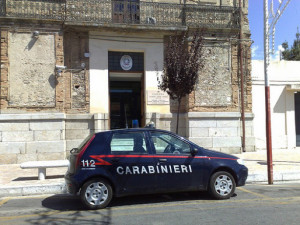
[252,204]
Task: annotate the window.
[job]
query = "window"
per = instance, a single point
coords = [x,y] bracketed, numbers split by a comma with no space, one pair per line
[128,143]
[167,144]
[126,11]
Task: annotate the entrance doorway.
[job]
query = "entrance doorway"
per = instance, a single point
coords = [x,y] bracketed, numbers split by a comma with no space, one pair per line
[297,117]
[125,100]
[126,89]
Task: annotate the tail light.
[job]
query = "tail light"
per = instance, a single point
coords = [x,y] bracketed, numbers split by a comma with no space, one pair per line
[82,151]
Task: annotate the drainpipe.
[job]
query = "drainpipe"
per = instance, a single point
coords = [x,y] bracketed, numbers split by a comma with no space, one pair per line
[242,79]
[184,13]
[0,65]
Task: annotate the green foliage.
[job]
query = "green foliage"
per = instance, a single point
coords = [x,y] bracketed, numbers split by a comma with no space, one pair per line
[293,53]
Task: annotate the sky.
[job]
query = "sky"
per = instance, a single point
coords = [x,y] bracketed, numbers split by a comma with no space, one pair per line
[286,26]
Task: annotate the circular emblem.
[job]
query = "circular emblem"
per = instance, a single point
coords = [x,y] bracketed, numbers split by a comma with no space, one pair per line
[126,62]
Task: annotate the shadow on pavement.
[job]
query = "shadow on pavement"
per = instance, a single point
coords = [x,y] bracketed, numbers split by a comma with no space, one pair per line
[69,202]
[36,178]
[74,217]
[160,198]
[67,209]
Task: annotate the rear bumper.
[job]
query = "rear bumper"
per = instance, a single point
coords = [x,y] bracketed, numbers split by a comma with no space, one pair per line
[72,187]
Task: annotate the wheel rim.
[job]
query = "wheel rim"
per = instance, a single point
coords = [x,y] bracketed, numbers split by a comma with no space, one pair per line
[223,185]
[96,193]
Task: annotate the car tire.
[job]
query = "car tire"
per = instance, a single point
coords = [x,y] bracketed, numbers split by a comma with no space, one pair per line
[222,185]
[96,194]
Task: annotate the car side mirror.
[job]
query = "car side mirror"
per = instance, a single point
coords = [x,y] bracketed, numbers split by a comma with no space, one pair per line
[194,151]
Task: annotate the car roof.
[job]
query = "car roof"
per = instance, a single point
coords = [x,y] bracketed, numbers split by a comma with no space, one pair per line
[136,129]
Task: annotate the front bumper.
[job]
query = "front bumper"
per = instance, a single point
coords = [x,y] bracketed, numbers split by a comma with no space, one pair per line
[242,176]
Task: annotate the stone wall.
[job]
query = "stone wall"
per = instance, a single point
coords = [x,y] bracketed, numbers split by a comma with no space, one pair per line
[220,131]
[215,85]
[219,85]
[45,112]
[32,70]
[30,80]
[47,136]
[4,69]
[168,122]
[77,96]
[51,136]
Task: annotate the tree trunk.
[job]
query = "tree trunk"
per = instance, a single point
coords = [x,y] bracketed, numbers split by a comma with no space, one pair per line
[179,101]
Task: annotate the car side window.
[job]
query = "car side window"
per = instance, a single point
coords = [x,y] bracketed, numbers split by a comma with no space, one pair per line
[167,144]
[128,143]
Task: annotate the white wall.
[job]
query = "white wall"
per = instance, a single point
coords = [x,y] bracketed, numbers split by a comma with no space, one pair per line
[101,43]
[282,74]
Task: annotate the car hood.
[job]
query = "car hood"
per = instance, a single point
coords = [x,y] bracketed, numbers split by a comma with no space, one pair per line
[213,153]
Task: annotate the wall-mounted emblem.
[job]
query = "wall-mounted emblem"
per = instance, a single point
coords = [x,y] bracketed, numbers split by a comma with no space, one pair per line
[126,62]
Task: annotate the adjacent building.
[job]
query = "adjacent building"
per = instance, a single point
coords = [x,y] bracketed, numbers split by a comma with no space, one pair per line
[284,79]
[73,67]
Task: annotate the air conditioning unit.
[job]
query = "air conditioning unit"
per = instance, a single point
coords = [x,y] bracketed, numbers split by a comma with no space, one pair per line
[151,20]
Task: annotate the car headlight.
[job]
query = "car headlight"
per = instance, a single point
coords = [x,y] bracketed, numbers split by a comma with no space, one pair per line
[240,161]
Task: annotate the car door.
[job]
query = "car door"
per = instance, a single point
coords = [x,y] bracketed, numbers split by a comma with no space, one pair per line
[131,164]
[178,169]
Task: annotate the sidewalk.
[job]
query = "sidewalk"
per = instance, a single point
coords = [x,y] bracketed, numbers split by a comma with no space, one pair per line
[286,165]
[15,181]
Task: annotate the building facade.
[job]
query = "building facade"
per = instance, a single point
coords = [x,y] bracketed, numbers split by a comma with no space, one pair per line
[285,103]
[73,67]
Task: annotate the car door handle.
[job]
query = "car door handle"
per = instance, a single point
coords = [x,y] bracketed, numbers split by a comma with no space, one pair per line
[163,160]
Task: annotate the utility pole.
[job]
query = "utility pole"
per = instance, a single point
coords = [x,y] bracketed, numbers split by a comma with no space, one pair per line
[269,25]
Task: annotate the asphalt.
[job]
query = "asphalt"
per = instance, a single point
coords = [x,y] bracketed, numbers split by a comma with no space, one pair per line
[15,181]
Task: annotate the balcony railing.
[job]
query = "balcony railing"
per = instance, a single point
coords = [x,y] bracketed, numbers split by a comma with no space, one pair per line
[34,9]
[121,12]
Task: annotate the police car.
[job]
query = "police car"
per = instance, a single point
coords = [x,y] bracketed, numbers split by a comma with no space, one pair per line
[143,161]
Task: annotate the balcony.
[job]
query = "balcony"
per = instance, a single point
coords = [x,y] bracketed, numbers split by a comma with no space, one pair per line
[126,12]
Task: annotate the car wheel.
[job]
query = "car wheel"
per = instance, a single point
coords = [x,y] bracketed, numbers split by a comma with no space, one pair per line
[96,194]
[222,185]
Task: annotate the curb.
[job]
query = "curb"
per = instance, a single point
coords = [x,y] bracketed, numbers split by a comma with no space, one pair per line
[279,177]
[59,188]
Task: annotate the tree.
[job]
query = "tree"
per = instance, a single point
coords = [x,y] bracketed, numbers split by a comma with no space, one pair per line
[292,53]
[183,59]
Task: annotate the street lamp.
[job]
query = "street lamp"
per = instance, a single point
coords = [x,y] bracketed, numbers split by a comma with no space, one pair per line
[269,25]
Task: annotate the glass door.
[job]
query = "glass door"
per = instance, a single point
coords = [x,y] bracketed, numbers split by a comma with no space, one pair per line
[125,104]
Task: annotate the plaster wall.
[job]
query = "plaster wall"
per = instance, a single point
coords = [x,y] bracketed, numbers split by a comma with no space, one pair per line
[31,72]
[100,44]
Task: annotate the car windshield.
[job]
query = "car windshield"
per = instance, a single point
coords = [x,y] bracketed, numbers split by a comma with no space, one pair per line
[162,141]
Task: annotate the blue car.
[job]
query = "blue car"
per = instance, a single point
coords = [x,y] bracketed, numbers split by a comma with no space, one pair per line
[146,161]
